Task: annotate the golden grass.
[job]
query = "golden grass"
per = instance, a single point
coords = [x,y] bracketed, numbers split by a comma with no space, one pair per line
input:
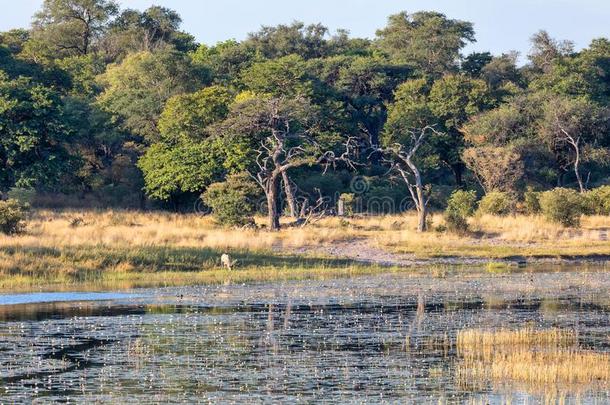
[501,237]
[547,361]
[66,247]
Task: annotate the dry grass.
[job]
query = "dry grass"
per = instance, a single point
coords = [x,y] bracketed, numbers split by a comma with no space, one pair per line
[132,228]
[546,361]
[500,237]
[67,247]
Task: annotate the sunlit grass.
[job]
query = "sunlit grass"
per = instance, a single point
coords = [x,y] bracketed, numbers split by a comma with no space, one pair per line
[547,360]
[64,248]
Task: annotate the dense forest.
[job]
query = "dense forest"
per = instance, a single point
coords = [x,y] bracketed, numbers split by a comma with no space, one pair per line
[107,107]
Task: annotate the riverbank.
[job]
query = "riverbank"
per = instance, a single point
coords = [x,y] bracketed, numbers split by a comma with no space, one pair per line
[121,249]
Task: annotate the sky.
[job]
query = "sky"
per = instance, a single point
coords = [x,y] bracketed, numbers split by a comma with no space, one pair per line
[500,25]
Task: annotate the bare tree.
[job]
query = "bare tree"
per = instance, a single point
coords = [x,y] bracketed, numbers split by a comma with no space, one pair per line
[567,127]
[402,161]
[574,142]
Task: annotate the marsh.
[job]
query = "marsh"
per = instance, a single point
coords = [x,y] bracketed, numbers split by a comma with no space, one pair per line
[377,338]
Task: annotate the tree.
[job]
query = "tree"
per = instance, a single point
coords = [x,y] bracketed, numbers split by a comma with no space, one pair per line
[226,60]
[69,27]
[403,158]
[136,90]
[496,168]
[187,158]
[146,31]
[283,76]
[187,116]
[545,50]
[426,40]
[567,125]
[474,63]
[283,133]
[449,101]
[188,167]
[295,39]
[33,145]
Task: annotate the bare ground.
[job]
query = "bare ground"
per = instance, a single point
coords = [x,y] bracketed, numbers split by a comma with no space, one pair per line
[364,251]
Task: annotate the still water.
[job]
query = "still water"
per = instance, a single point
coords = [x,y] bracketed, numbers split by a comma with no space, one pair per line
[381,339]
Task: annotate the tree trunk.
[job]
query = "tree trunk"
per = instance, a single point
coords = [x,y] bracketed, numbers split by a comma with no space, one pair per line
[418,197]
[457,170]
[576,163]
[422,210]
[292,204]
[272,206]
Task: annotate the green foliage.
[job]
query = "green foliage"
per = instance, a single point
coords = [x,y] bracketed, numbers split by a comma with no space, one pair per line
[497,203]
[149,30]
[102,103]
[136,90]
[563,206]
[183,168]
[233,201]
[598,200]
[64,28]
[33,145]
[460,206]
[12,216]
[531,201]
[187,116]
[428,40]
[283,76]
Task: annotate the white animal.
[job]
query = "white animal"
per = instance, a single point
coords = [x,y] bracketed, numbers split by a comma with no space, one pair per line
[226,261]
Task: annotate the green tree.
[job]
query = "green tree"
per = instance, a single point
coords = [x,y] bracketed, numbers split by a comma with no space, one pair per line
[283,134]
[33,145]
[69,27]
[426,40]
[136,90]
[146,31]
[187,116]
[283,40]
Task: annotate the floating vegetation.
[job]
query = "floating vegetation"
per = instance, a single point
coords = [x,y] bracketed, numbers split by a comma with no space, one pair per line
[394,337]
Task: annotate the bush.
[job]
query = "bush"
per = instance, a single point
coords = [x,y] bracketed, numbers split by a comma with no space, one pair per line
[460,206]
[497,203]
[233,201]
[531,201]
[563,206]
[12,216]
[598,200]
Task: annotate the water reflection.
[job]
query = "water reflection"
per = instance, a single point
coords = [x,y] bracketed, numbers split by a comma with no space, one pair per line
[371,339]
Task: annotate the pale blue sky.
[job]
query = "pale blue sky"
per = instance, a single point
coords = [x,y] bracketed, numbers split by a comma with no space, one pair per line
[501,25]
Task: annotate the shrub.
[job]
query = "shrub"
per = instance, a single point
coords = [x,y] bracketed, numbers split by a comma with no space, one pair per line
[233,201]
[497,203]
[563,206]
[460,206]
[598,200]
[531,201]
[12,216]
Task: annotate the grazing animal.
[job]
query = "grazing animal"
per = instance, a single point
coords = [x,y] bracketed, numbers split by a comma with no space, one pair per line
[226,261]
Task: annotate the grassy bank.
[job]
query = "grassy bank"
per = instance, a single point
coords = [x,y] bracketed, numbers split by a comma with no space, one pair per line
[120,249]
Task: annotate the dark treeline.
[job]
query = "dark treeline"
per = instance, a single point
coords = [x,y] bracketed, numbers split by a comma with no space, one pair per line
[122,108]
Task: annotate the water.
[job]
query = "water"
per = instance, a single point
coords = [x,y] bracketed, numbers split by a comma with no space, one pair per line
[381,339]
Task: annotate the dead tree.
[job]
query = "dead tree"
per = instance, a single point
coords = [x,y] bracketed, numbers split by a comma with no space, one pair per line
[574,142]
[401,158]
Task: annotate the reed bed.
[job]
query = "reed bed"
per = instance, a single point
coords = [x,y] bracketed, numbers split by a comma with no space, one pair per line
[543,361]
